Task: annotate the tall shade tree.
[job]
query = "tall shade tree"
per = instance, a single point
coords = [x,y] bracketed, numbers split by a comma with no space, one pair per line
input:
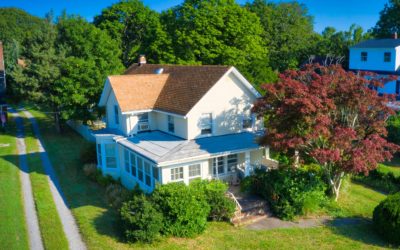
[330,116]
[218,32]
[38,81]
[91,55]
[389,21]
[287,31]
[138,30]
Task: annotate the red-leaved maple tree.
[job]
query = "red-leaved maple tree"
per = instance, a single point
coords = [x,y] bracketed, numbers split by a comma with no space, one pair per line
[329,115]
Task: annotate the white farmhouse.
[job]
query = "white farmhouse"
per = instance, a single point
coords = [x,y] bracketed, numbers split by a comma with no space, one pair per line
[170,123]
[381,56]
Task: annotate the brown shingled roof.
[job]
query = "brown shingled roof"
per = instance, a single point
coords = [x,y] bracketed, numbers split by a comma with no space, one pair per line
[137,92]
[185,86]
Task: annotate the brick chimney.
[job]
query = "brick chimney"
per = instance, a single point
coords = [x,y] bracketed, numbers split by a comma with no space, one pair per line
[395,35]
[142,60]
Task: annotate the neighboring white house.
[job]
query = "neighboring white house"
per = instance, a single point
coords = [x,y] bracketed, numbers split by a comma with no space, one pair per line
[381,56]
[170,123]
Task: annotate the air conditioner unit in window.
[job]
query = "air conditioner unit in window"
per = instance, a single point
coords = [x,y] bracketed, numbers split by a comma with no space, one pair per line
[144,126]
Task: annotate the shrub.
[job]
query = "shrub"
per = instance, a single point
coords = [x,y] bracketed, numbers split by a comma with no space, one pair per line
[222,208]
[386,218]
[88,154]
[393,128]
[141,219]
[116,194]
[185,214]
[90,170]
[289,192]
[384,181]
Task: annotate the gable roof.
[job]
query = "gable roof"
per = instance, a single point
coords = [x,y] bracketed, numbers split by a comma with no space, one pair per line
[185,86]
[378,43]
[137,92]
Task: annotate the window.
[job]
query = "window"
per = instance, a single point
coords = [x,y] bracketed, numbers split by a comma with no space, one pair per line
[144,118]
[218,164]
[111,161]
[126,160]
[171,124]
[147,172]
[232,162]
[387,57]
[176,174]
[206,123]
[155,173]
[133,165]
[140,168]
[99,154]
[116,114]
[247,122]
[364,56]
[194,170]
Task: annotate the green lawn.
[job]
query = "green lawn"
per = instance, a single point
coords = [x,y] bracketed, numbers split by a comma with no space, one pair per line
[99,224]
[13,232]
[393,166]
[49,221]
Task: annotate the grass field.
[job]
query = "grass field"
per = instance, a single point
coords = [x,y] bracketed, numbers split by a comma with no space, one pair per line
[99,224]
[49,221]
[13,232]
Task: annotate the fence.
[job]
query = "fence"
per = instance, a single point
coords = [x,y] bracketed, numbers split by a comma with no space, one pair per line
[83,130]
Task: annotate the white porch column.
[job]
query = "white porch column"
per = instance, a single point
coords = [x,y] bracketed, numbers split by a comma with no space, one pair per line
[247,163]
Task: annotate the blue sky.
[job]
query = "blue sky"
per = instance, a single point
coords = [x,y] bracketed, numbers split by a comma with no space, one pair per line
[337,13]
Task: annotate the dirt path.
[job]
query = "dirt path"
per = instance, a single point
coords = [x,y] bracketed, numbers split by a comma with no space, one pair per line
[31,219]
[68,221]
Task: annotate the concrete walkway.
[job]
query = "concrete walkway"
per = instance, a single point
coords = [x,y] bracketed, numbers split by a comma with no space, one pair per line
[274,223]
[68,221]
[31,219]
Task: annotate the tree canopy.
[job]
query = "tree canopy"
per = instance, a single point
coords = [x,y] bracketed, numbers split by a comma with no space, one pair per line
[389,21]
[138,30]
[330,117]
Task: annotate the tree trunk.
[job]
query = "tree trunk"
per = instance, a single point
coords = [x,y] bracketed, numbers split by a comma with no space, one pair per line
[296,159]
[336,183]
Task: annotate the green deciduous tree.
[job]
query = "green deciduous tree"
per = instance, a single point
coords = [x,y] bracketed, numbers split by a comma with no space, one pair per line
[138,30]
[287,31]
[389,21]
[218,32]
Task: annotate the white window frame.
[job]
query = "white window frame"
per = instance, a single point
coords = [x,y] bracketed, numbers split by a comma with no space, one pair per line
[127,161]
[385,58]
[147,173]
[190,170]
[116,114]
[133,165]
[177,176]
[206,125]
[140,168]
[229,165]
[216,164]
[111,157]
[364,56]
[156,174]
[171,123]
[247,118]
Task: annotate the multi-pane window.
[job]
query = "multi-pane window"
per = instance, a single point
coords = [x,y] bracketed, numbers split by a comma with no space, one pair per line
[147,171]
[364,56]
[194,170]
[133,165]
[144,118]
[140,168]
[111,161]
[232,162]
[171,124]
[387,57]
[99,155]
[126,160]
[116,116]
[218,165]
[206,123]
[155,173]
[176,174]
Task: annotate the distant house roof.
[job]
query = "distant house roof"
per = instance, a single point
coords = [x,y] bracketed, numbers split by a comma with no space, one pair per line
[184,87]
[378,43]
[160,147]
[137,92]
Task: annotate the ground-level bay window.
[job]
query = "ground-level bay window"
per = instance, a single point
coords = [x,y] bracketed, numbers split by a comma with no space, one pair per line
[133,165]
[140,169]
[126,161]
[147,171]
[111,160]
[223,165]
